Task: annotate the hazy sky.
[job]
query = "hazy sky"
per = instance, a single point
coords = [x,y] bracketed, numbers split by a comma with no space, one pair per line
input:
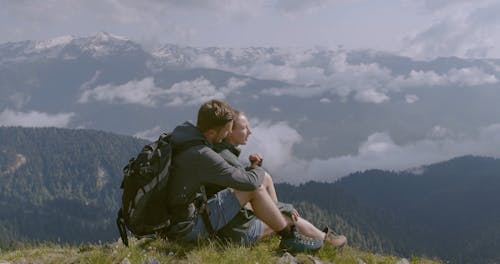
[417,28]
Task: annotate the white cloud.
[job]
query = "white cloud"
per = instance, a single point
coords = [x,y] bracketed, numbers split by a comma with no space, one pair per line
[380,152]
[150,134]
[470,77]
[234,84]
[418,78]
[459,28]
[463,77]
[259,22]
[269,71]
[298,91]
[366,83]
[291,65]
[200,90]
[371,96]
[34,119]
[308,75]
[439,132]
[297,75]
[143,92]
[411,98]
[275,142]
[325,100]
[193,92]
[205,61]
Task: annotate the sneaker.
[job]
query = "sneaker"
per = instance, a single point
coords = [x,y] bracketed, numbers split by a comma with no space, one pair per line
[332,238]
[300,243]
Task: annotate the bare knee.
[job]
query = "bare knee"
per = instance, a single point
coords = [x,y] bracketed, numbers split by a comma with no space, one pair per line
[246,196]
[268,180]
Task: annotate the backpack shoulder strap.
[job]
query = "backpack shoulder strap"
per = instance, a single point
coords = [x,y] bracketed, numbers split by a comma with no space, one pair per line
[120,222]
[205,213]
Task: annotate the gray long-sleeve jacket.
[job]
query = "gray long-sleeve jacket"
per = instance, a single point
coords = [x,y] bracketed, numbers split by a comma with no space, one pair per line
[200,165]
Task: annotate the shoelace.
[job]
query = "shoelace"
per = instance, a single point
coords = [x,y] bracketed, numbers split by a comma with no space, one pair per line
[304,239]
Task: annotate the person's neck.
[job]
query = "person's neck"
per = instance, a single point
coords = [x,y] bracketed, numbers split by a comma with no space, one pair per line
[209,137]
[228,141]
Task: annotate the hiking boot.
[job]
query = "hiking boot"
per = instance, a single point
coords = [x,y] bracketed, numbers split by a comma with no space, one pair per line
[300,243]
[334,239]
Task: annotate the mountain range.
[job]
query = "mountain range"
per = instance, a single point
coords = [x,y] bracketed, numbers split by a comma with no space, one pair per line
[329,111]
[63,185]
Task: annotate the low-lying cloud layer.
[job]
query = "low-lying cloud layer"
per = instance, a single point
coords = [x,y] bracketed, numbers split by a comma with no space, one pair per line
[275,143]
[9,117]
[368,83]
[322,72]
[145,92]
[200,90]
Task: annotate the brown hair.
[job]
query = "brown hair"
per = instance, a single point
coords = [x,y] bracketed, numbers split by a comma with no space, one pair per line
[214,114]
[236,115]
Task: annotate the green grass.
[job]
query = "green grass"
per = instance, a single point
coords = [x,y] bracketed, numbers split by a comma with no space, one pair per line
[151,251]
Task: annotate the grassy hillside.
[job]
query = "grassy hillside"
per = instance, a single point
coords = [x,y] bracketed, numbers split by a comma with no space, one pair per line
[153,251]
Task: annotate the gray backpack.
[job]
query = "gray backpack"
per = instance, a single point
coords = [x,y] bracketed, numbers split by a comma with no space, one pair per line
[143,206]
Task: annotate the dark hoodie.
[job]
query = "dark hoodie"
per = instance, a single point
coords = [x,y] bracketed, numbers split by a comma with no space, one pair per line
[200,165]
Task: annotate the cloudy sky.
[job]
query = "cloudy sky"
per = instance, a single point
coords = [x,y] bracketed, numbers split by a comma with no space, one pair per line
[417,28]
[420,29]
[275,143]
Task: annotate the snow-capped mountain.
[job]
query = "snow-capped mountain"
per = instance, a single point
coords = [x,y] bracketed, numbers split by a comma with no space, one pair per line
[67,48]
[316,108]
[242,59]
[189,56]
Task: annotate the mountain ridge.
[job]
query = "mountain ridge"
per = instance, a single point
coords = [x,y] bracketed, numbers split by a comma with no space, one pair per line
[363,92]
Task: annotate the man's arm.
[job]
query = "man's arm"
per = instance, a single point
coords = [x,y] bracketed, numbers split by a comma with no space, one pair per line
[220,172]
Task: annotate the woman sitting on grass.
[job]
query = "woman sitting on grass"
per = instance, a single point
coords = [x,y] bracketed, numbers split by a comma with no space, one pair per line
[246,221]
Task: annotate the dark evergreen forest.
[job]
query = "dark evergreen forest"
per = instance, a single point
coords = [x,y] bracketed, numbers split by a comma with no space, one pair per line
[62,185]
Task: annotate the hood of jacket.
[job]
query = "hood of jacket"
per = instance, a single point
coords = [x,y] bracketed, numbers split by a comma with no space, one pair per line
[187,133]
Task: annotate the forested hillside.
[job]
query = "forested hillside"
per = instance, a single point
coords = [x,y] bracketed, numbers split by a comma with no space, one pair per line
[63,185]
[68,180]
[448,209]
